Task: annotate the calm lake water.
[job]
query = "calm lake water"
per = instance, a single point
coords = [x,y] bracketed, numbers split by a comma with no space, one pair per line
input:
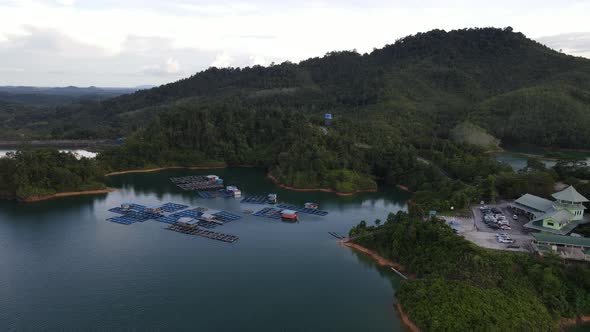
[65,268]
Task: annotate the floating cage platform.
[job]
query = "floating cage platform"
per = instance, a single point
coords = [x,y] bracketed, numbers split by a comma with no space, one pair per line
[191,230]
[258,199]
[315,212]
[173,207]
[268,212]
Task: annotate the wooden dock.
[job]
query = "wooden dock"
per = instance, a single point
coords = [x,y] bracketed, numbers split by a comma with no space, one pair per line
[193,230]
[336,235]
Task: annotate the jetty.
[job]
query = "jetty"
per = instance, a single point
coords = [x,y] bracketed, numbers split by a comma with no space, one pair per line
[336,235]
[192,230]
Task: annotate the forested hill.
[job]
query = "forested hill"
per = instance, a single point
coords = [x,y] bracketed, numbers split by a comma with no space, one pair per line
[395,111]
[516,88]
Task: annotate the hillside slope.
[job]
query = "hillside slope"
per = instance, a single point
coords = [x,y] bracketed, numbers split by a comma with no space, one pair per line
[496,78]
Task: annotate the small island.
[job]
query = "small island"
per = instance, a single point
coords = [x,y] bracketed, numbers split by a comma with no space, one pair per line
[34,175]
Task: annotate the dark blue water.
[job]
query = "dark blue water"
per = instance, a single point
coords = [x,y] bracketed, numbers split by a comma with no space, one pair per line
[65,268]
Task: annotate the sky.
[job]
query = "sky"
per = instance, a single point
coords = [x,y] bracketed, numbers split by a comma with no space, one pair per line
[117,43]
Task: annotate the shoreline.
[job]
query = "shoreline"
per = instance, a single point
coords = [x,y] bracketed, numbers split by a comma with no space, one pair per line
[382,261]
[325,190]
[65,194]
[149,170]
[572,322]
[406,319]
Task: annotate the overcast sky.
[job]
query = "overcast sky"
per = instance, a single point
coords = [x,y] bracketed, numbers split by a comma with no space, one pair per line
[132,42]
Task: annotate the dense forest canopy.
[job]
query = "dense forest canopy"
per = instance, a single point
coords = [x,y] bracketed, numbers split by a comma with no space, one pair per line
[514,87]
[463,287]
[395,111]
[29,173]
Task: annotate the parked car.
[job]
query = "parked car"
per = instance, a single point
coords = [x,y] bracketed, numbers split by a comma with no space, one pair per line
[494,226]
[501,235]
[514,217]
[505,227]
[496,210]
[503,222]
[504,240]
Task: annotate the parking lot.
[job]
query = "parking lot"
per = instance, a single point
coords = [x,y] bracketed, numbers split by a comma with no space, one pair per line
[474,229]
[516,225]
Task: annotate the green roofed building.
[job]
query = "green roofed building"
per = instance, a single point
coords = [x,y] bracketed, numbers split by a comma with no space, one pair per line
[560,216]
[567,247]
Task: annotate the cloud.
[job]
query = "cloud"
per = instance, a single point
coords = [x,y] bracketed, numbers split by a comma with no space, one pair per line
[67,3]
[258,60]
[171,67]
[135,42]
[577,43]
[222,60]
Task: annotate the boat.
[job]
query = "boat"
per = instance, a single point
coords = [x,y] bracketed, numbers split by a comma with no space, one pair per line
[289,215]
[310,205]
[234,190]
[272,198]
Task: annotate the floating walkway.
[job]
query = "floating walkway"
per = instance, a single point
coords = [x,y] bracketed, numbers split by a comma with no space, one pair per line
[225,216]
[187,214]
[336,235]
[189,179]
[173,207]
[258,199]
[268,212]
[135,213]
[191,230]
[304,210]
[196,183]
[122,220]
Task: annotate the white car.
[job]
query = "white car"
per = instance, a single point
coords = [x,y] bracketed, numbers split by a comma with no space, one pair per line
[501,235]
[504,240]
[515,217]
[505,227]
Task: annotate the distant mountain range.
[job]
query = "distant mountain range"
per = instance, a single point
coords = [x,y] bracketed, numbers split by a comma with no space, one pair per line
[31,95]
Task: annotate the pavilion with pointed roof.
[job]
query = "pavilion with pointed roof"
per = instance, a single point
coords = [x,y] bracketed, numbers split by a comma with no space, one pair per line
[559,217]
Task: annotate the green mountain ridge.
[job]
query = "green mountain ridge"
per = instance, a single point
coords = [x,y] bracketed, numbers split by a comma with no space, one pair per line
[487,75]
[402,101]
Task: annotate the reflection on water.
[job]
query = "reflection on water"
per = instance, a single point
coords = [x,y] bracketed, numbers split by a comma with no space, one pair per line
[65,268]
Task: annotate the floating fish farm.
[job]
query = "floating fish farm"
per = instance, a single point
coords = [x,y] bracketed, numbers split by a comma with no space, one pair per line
[197,219]
[268,212]
[173,207]
[303,210]
[199,183]
[259,199]
[192,230]
[226,217]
